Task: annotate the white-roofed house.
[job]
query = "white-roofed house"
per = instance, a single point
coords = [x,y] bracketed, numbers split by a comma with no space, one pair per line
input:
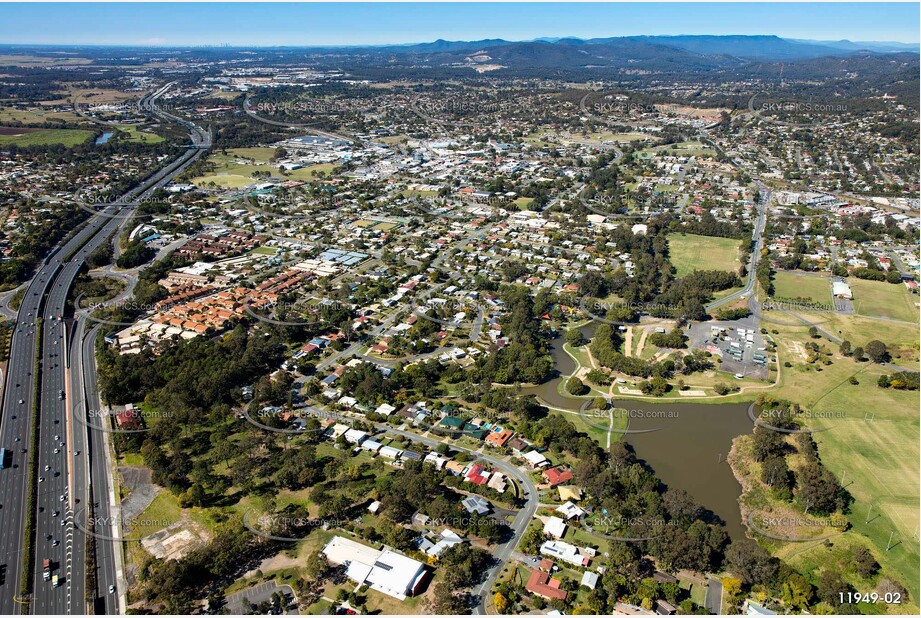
[535,459]
[355,436]
[383,570]
[555,527]
[389,452]
[570,510]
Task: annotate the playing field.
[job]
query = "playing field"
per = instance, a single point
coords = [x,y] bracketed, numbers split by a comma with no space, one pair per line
[798,285]
[690,252]
[869,437]
[681,149]
[235,169]
[523,202]
[888,300]
[46,137]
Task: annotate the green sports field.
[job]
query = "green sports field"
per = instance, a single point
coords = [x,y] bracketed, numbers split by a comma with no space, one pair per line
[47,137]
[888,300]
[690,252]
[799,285]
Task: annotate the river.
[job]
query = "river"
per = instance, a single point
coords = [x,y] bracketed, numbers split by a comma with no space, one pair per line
[686,444]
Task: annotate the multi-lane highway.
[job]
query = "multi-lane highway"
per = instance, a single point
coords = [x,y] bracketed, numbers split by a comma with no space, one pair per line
[60,488]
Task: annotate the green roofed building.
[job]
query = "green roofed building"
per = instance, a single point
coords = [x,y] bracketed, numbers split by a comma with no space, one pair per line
[453,422]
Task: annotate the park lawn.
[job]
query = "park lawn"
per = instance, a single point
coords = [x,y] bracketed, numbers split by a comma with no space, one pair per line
[690,252]
[869,438]
[799,285]
[227,181]
[418,193]
[256,153]
[47,137]
[901,338]
[264,251]
[127,458]
[681,149]
[884,299]
[311,172]
[135,135]
[623,138]
[523,202]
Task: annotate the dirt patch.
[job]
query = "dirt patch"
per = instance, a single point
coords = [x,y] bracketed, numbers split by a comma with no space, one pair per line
[176,541]
[14,131]
[142,491]
[275,563]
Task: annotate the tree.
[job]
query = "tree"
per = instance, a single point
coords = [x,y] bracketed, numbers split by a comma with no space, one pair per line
[750,561]
[829,587]
[818,490]
[774,472]
[877,352]
[858,354]
[845,348]
[732,586]
[797,592]
[574,337]
[575,387]
[865,563]
[500,602]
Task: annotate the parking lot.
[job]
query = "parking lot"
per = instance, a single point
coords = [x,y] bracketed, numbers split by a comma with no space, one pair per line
[738,344]
[238,603]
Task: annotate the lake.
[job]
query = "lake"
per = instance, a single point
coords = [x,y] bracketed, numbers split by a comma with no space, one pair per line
[686,444]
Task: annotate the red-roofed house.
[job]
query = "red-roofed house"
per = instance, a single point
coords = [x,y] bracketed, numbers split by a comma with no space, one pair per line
[499,438]
[544,586]
[555,476]
[475,475]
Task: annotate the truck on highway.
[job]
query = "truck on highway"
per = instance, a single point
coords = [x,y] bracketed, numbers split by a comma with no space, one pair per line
[46,569]
[2,458]
[54,581]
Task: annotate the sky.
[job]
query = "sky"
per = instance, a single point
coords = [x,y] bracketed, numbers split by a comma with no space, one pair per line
[306,24]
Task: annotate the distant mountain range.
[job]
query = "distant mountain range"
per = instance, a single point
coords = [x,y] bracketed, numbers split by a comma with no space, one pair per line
[747,47]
